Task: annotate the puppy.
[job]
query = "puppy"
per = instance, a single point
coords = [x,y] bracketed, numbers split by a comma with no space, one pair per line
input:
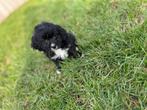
[55,42]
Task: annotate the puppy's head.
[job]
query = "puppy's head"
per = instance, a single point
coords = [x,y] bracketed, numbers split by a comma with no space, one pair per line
[64,48]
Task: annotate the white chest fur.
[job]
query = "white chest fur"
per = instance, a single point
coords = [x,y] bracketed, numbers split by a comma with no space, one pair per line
[60,53]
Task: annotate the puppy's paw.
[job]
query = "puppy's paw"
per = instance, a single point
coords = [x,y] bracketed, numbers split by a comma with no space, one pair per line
[82,56]
[58,71]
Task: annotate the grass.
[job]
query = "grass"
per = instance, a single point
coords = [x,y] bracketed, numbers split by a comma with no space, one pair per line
[111,76]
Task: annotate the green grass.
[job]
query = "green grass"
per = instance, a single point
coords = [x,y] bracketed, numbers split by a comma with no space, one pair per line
[111,76]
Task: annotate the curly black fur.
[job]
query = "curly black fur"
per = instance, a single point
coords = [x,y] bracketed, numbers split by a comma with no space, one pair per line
[46,34]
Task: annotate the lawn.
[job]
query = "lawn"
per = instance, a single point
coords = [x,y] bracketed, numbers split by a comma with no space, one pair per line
[112,75]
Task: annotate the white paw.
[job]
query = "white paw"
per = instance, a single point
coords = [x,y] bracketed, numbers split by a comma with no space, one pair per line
[82,55]
[58,72]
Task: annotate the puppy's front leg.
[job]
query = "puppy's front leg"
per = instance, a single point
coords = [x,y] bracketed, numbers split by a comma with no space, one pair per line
[58,67]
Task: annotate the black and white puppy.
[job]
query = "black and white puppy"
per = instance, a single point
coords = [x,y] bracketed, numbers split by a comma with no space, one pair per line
[55,42]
